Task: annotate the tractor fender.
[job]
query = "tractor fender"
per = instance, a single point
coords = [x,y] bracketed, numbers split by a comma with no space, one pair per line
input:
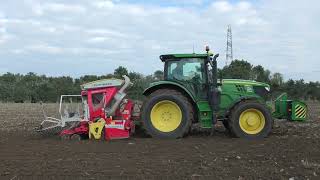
[168,85]
[176,86]
[236,102]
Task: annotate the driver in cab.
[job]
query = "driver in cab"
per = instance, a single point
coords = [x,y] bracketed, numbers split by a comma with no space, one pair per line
[179,74]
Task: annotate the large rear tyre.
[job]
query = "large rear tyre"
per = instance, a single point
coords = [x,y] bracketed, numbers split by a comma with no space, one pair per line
[250,120]
[167,113]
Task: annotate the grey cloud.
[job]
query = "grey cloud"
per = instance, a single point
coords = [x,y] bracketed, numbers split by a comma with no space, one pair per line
[80,36]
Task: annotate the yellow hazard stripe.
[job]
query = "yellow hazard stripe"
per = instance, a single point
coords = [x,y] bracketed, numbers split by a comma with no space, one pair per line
[298,108]
[301,114]
[300,111]
[304,113]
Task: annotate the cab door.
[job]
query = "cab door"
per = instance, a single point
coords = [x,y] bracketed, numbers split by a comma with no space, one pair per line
[98,100]
[191,73]
[96,104]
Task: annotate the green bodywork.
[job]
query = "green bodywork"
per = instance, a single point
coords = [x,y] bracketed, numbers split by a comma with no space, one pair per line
[232,91]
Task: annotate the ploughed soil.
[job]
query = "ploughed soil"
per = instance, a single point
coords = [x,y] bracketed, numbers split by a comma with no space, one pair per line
[292,151]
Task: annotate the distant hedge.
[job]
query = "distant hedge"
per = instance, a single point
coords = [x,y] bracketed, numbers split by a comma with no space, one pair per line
[34,88]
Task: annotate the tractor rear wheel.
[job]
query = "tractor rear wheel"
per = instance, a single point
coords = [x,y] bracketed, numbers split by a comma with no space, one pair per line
[250,120]
[167,113]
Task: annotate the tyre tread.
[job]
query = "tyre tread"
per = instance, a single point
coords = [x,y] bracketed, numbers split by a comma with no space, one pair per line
[233,112]
[180,96]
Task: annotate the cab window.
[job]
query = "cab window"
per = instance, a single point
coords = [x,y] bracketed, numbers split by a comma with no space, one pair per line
[186,70]
[97,100]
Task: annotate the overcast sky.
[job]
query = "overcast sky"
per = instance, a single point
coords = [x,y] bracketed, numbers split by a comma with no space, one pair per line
[77,37]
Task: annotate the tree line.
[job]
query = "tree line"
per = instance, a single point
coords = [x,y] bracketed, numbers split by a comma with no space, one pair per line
[35,88]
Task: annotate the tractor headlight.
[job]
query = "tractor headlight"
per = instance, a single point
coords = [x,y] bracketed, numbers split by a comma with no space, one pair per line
[267,88]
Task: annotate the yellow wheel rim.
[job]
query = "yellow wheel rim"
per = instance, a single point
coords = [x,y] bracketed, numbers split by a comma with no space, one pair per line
[166,116]
[252,121]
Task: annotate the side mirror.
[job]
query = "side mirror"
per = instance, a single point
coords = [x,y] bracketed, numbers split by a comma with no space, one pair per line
[215,57]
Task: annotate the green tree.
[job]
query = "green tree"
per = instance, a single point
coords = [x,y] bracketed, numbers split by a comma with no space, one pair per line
[8,82]
[88,78]
[120,71]
[32,82]
[134,76]
[260,74]
[238,69]
[158,75]
[277,79]
[276,83]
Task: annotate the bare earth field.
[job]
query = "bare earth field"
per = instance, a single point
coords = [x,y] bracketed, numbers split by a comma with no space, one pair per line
[291,152]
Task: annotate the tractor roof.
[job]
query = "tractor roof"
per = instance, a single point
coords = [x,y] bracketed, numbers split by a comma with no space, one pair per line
[167,57]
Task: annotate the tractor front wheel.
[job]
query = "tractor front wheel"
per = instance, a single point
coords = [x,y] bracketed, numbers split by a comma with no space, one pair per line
[167,113]
[250,120]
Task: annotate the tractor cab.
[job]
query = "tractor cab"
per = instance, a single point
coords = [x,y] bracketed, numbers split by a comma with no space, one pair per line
[189,70]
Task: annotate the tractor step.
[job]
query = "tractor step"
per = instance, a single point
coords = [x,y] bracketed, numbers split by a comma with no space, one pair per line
[205,114]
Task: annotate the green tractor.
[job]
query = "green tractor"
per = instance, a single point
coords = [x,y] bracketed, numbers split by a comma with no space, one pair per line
[191,93]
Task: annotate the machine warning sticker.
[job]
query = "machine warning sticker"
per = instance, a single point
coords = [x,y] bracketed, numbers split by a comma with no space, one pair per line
[116,125]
